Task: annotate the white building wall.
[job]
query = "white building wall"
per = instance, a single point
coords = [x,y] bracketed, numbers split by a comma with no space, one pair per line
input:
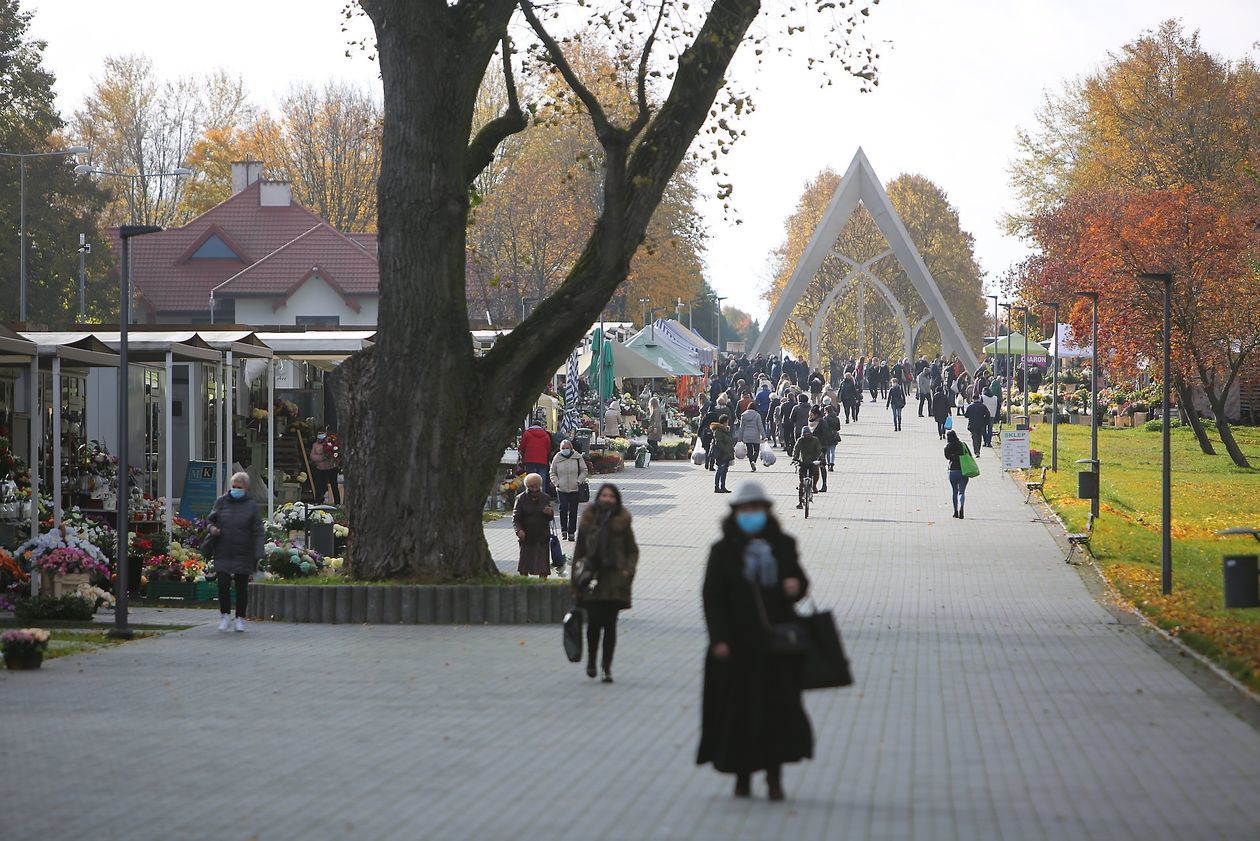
[314,298]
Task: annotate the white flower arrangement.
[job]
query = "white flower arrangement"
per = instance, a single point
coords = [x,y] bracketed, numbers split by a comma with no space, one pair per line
[61,538]
[340,531]
[95,595]
[293,515]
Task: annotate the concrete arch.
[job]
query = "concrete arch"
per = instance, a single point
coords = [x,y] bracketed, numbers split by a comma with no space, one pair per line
[860,186]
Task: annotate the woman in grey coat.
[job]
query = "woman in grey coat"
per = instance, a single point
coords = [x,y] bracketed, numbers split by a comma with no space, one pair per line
[752,431]
[238,544]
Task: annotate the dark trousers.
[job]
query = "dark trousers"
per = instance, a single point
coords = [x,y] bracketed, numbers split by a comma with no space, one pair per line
[976,437]
[848,411]
[568,512]
[754,449]
[241,579]
[719,478]
[874,392]
[896,413]
[601,617]
[706,441]
[923,401]
[958,486]
[325,479]
[940,429]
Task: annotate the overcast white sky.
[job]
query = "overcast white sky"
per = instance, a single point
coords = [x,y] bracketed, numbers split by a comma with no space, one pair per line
[956,79]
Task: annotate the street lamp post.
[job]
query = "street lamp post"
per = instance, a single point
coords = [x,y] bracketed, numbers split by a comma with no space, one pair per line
[717,314]
[1023,361]
[125,233]
[995,322]
[1054,397]
[85,248]
[1093,402]
[1165,555]
[124,315]
[21,159]
[645,303]
[1006,367]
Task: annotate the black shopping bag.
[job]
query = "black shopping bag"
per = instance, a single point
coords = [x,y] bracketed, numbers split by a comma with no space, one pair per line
[573,634]
[826,665]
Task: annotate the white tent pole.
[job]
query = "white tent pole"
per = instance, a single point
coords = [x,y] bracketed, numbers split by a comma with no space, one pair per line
[56,483]
[271,438]
[167,441]
[36,434]
[218,427]
[196,407]
[229,385]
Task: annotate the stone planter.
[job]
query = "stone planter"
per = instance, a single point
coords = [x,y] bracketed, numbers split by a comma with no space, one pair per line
[411,604]
[23,661]
[1139,418]
[64,585]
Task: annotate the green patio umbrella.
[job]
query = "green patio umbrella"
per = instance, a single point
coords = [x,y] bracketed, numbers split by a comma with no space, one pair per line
[602,372]
[1016,344]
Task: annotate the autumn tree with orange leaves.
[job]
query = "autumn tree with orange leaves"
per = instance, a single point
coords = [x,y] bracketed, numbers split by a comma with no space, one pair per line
[1105,241]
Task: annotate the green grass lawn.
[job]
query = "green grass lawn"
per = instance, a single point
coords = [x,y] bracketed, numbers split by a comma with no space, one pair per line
[1208,493]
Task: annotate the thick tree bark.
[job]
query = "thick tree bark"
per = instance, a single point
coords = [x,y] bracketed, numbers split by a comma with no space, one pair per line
[1185,397]
[1223,428]
[426,421]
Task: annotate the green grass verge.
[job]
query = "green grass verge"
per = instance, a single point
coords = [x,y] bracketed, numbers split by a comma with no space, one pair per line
[1208,493]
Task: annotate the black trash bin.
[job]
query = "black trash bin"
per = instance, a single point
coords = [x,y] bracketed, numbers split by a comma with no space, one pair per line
[1242,581]
[1087,485]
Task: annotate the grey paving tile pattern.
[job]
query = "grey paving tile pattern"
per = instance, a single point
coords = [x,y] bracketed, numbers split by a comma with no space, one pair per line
[996,699]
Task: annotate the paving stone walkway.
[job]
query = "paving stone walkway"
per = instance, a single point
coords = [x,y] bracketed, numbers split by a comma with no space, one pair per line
[995,699]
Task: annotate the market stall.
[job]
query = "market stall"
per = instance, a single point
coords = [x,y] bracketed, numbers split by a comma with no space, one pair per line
[16,354]
[236,347]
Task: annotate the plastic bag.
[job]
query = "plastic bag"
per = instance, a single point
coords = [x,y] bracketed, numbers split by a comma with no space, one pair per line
[741,450]
[767,456]
[698,453]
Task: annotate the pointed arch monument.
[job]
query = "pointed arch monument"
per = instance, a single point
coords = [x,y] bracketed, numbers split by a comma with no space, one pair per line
[860,186]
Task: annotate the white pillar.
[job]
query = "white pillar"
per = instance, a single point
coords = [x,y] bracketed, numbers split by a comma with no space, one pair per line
[196,408]
[229,400]
[168,435]
[218,426]
[36,434]
[56,479]
[271,438]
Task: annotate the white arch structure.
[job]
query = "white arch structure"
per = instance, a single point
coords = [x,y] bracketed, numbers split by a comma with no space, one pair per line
[860,186]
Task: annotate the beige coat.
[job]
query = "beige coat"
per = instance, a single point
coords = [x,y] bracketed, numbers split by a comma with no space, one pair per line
[568,473]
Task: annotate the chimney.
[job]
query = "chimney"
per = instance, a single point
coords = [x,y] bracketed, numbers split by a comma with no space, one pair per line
[275,194]
[245,173]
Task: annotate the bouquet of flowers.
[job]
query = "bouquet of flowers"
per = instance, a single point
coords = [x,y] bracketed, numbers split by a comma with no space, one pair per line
[30,552]
[69,560]
[293,515]
[190,534]
[180,565]
[285,560]
[9,566]
[95,595]
[142,547]
[21,641]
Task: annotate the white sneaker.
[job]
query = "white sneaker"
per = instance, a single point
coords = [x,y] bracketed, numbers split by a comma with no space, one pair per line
[240,624]
[225,622]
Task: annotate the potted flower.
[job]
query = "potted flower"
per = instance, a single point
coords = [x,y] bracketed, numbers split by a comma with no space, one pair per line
[24,647]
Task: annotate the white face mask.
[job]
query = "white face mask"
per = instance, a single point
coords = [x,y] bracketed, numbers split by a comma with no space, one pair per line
[321,436]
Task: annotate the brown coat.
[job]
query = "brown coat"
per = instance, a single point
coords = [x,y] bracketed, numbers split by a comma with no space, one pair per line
[533,517]
[617,566]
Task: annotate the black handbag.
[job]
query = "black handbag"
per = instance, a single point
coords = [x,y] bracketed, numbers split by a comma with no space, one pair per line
[584,492]
[573,634]
[782,638]
[826,665]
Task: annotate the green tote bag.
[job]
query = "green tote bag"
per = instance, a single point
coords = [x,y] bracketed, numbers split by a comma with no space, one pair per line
[968,463]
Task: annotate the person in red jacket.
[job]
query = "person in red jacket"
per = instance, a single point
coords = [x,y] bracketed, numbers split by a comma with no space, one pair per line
[536,452]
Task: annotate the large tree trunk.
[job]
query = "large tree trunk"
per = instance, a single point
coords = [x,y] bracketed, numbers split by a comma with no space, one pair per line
[1185,397]
[1224,429]
[426,421]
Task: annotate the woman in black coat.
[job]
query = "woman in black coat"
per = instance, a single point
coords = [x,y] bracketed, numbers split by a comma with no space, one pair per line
[942,408]
[237,530]
[753,719]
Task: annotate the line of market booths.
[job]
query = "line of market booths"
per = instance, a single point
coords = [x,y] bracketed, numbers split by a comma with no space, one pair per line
[190,391]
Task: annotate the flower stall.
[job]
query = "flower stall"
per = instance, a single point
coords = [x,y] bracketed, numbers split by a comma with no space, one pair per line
[64,559]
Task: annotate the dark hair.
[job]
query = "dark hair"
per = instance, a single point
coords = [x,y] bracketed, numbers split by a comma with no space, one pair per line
[951,437]
[616,492]
[723,418]
[803,399]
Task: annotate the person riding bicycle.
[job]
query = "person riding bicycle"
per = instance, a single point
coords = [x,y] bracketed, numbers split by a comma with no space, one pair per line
[807,454]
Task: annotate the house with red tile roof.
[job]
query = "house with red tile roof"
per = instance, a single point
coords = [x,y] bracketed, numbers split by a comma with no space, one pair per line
[257,258]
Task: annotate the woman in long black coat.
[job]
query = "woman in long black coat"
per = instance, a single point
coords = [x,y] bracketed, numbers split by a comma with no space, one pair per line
[753,717]
[942,408]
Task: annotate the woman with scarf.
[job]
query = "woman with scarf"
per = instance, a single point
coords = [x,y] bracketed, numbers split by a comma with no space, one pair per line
[605,559]
[753,719]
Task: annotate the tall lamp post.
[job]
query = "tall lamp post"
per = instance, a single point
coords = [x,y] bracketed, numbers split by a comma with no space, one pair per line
[125,233]
[1023,361]
[1054,397]
[995,322]
[85,248]
[1093,402]
[124,315]
[717,315]
[1165,555]
[1006,367]
[21,158]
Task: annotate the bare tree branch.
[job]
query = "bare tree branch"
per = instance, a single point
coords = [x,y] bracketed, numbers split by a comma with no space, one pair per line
[641,79]
[604,130]
[512,121]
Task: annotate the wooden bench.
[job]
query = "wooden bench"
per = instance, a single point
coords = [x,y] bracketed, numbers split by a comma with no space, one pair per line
[1036,487]
[1078,540]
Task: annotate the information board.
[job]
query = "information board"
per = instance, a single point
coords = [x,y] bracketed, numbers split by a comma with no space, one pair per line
[1015,450]
[201,489]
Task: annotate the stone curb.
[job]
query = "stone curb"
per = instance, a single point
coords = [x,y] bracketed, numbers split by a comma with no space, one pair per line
[410,604]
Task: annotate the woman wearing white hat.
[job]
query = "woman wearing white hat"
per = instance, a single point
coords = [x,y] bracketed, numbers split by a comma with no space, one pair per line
[753,719]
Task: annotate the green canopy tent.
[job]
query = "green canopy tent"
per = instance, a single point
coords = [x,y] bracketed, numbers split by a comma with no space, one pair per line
[667,360]
[1015,344]
[613,361]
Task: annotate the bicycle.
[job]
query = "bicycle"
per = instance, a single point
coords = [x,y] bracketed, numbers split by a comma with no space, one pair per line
[805,489]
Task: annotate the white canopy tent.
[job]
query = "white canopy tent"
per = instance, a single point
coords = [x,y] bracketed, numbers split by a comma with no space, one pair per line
[1064,345]
[695,348]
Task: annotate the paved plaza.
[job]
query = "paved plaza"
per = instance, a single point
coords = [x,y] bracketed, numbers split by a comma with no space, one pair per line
[995,698]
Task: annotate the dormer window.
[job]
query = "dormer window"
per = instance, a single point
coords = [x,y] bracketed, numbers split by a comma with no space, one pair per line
[214,248]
